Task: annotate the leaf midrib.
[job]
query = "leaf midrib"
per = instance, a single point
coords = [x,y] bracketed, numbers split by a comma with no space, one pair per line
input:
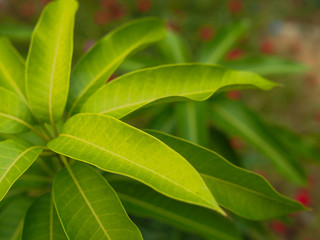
[100,74]
[13,84]
[87,202]
[53,67]
[246,189]
[16,160]
[126,159]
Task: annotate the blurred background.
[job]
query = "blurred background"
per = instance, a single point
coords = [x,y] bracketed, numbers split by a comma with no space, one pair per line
[277,39]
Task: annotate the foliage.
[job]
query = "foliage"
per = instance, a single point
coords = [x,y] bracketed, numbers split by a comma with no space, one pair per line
[56,123]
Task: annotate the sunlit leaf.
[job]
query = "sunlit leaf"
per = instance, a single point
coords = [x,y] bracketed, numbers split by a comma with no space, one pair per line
[193,81]
[241,191]
[16,157]
[94,69]
[49,60]
[89,208]
[114,146]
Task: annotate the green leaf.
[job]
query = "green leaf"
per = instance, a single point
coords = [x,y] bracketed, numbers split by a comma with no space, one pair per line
[105,57]
[49,60]
[193,81]
[236,119]
[120,148]
[12,218]
[16,157]
[12,68]
[267,65]
[38,175]
[16,31]
[142,201]
[215,50]
[173,48]
[88,207]
[14,114]
[241,191]
[192,122]
[42,221]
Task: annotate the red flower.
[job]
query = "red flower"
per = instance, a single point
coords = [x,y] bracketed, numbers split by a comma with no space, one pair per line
[235,6]
[278,227]
[101,17]
[113,76]
[144,5]
[236,143]
[235,54]
[206,33]
[108,3]
[44,2]
[234,94]
[88,45]
[27,9]
[173,26]
[303,196]
[317,117]
[267,47]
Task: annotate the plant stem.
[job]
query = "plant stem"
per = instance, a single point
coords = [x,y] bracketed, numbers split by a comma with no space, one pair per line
[54,128]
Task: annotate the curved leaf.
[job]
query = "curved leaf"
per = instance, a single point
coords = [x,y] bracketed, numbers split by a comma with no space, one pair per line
[193,81]
[12,218]
[14,114]
[123,149]
[12,67]
[235,118]
[42,221]
[142,201]
[101,61]
[84,198]
[241,191]
[49,60]
[16,157]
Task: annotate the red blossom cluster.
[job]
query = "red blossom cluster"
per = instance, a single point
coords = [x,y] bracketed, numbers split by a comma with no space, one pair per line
[110,10]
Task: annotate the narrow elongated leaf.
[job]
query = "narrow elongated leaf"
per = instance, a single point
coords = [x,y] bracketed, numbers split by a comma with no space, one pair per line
[14,114]
[243,192]
[123,149]
[42,222]
[193,81]
[49,60]
[84,198]
[16,157]
[174,49]
[215,50]
[266,65]
[142,201]
[101,61]
[235,118]
[192,122]
[12,67]
[12,218]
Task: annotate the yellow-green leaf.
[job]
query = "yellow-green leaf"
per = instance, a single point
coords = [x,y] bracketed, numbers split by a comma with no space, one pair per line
[114,146]
[49,60]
